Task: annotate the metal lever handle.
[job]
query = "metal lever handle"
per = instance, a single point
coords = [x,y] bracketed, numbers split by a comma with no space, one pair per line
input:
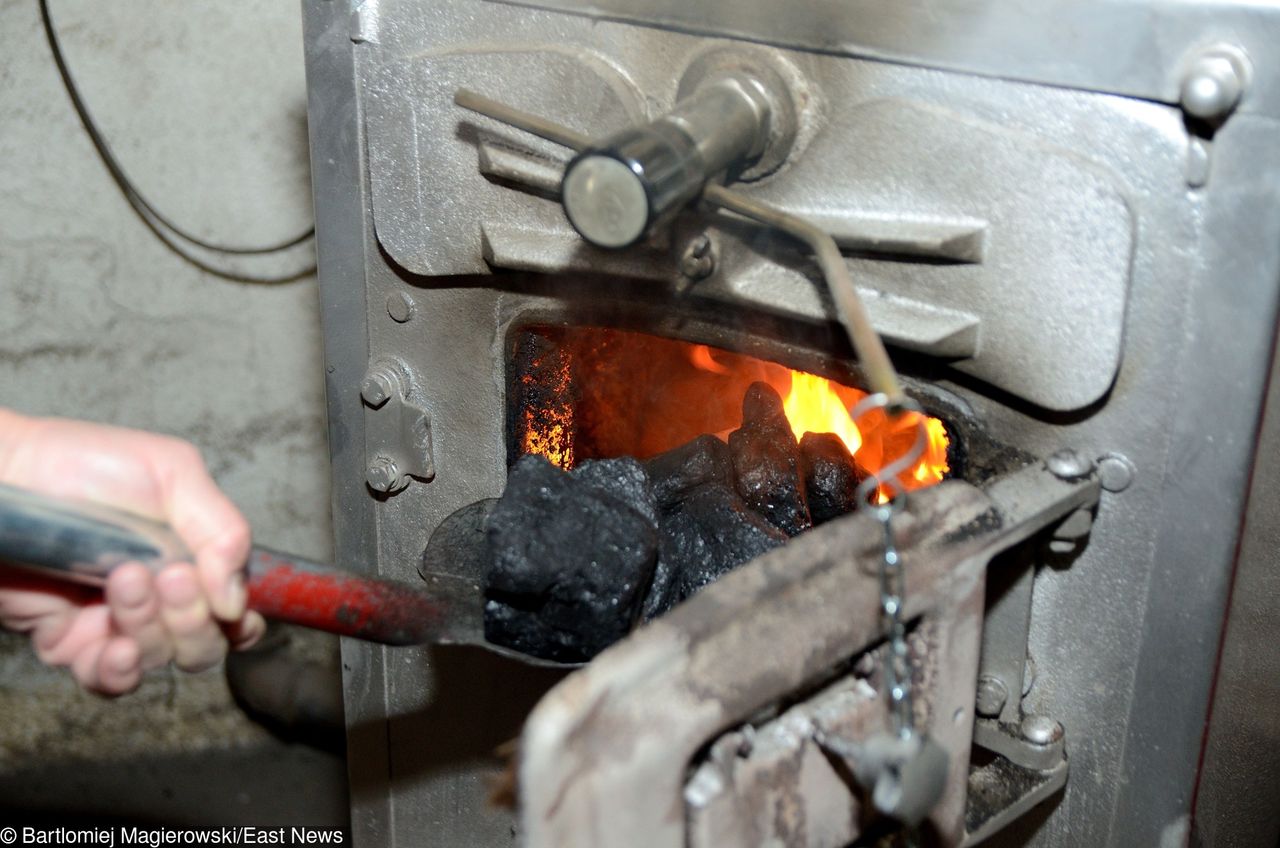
[615,192]
[881,375]
[80,542]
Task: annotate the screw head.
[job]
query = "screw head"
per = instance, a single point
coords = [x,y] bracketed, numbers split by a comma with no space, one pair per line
[382,474]
[377,388]
[1068,464]
[1040,730]
[1116,472]
[991,697]
[400,307]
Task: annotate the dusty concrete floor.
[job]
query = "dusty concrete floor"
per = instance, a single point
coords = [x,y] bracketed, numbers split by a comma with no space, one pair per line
[204,104]
[178,751]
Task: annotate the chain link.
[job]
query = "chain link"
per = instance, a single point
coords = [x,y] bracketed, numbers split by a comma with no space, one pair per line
[897,671]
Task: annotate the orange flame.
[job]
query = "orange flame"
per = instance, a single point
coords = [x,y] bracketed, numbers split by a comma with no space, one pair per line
[702,359]
[591,392]
[934,465]
[812,406]
[817,405]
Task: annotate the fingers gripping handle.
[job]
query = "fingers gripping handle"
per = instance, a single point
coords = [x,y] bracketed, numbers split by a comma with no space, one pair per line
[84,542]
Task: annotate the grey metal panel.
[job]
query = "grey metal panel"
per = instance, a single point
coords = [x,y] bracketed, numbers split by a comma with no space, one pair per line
[336,170]
[422,147]
[1238,801]
[1129,630]
[876,144]
[423,724]
[449,709]
[1059,231]
[1137,48]
[1223,370]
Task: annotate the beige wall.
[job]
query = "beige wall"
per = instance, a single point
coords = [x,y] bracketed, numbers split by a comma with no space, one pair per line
[204,103]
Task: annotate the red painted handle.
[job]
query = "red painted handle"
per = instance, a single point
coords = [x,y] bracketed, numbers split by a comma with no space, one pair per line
[293,590]
[83,542]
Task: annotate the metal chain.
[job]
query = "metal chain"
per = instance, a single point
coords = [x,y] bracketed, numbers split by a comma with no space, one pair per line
[897,671]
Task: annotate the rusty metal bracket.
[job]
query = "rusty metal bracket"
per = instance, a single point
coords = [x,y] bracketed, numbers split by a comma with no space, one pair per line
[605,755]
[397,428]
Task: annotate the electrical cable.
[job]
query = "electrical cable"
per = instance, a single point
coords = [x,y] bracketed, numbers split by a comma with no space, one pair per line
[157,222]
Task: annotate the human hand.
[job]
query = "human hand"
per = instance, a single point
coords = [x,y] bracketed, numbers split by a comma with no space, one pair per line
[189,613]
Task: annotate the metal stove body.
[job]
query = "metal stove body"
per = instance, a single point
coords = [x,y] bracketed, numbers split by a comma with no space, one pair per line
[1064,222]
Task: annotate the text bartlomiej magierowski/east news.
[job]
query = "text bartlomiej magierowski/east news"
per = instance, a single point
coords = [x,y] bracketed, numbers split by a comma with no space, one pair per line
[155,837]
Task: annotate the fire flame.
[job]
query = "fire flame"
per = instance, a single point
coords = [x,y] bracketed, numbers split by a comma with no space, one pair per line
[812,406]
[817,405]
[702,359]
[581,393]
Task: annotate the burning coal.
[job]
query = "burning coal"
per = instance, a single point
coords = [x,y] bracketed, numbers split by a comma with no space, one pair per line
[594,393]
[649,468]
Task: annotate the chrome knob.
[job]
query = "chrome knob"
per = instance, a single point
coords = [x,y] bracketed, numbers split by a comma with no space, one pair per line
[606,200]
[617,191]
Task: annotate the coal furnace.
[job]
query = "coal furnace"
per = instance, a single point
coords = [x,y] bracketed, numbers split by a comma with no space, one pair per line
[615,281]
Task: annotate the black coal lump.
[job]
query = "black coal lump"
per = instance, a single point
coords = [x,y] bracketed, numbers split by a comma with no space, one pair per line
[766,461]
[623,478]
[569,560]
[708,534]
[522,629]
[681,470]
[831,476]
[664,589]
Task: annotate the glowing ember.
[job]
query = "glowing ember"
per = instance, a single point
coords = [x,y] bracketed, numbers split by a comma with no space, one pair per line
[555,442]
[547,423]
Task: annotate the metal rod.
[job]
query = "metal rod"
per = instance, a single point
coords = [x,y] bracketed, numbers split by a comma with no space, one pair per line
[881,375]
[521,120]
[83,543]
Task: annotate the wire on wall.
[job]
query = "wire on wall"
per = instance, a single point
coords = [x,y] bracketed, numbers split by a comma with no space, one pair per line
[160,225]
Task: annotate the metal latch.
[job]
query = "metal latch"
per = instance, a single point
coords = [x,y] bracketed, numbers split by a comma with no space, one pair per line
[397,428]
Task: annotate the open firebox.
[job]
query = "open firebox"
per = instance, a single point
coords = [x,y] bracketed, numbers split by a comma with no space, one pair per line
[687,461]
[608,290]
[581,393]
